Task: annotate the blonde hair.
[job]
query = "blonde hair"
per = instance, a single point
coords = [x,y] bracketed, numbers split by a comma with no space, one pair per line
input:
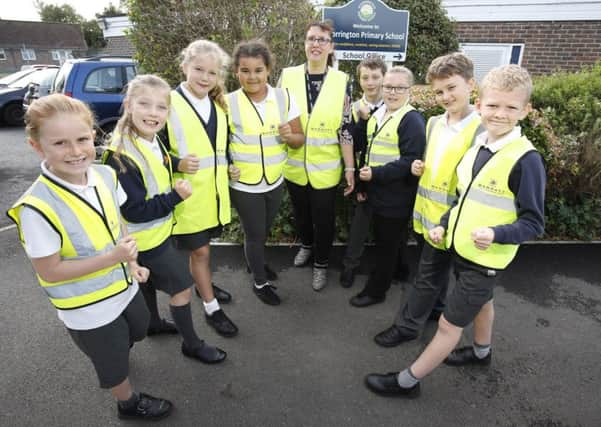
[446,66]
[508,78]
[399,69]
[125,126]
[208,48]
[45,108]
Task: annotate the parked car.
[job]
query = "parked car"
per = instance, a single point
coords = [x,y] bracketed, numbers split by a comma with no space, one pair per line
[11,96]
[98,81]
[40,88]
[25,70]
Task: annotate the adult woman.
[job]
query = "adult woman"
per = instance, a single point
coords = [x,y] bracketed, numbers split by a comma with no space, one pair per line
[313,171]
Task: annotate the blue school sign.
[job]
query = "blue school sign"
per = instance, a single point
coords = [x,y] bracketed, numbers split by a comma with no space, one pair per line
[369,28]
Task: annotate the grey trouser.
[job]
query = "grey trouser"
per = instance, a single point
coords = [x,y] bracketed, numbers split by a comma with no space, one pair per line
[430,285]
[257,212]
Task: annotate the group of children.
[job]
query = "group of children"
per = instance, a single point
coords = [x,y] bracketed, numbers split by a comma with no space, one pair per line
[93,232]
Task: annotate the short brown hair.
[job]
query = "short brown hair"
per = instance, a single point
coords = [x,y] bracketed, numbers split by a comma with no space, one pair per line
[445,66]
[46,108]
[400,69]
[507,78]
[372,64]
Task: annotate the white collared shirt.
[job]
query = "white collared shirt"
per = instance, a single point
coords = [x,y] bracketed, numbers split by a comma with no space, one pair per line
[202,106]
[447,133]
[371,106]
[41,240]
[381,112]
[481,140]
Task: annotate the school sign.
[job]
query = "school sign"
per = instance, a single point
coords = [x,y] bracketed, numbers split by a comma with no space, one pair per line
[369,28]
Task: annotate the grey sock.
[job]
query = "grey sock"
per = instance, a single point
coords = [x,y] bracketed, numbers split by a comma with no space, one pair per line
[406,378]
[182,316]
[481,351]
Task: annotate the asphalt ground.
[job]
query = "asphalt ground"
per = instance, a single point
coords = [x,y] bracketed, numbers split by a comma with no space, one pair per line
[303,363]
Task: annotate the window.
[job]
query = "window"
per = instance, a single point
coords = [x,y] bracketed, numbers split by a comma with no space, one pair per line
[56,55]
[104,80]
[486,56]
[2,55]
[27,54]
[130,73]
[61,55]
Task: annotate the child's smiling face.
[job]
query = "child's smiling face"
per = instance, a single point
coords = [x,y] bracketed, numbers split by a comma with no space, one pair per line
[202,74]
[66,143]
[149,110]
[501,110]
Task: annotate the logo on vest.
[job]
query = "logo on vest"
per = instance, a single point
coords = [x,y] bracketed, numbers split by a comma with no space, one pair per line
[491,187]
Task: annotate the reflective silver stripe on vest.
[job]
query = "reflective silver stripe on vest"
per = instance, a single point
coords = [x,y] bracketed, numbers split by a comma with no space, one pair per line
[318,142]
[178,131]
[383,144]
[423,221]
[320,167]
[235,112]
[87,286]
[280,97]
[436,196]
[382,158]
[487,199]
[207,162]
[151,184]
[134,227]
[221,161]
[295,162]
[246,157]
[275,159]
[248,139]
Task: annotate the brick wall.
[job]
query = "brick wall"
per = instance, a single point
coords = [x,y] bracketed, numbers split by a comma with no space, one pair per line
[548,45]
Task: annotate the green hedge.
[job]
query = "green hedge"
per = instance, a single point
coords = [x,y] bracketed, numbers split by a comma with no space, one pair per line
[565,126]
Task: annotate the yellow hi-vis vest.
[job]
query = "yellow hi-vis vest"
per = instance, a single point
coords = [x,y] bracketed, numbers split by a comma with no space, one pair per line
[355,106]
[84,233]
[255,145]
[209,204]
[318,161]
[383,146]
[485,201]
[157,180]
[436,191]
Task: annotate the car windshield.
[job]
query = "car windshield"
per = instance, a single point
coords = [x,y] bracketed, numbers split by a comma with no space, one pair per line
[5,81]
[35,77]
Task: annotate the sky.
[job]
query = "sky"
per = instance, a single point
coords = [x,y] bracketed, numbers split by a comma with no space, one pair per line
[24,10]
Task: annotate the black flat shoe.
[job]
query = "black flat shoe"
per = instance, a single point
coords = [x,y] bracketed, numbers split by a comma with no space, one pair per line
[267,294]
[393,336]
[222,296]
[205,353]
[364,300]
[465,356]
[387,385]
[147,408]
[222,324]
[165,327]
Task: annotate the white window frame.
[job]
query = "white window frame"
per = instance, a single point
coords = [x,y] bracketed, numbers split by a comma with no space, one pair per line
[3,55]
[27,54]
[502,52]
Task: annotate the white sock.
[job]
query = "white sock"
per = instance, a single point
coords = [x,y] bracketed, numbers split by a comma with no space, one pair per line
[211,306]
[481,351]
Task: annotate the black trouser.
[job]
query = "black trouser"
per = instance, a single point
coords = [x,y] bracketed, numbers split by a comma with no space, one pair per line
[388,234]
[357,235]
[315,214]
[428,291]
[257,212]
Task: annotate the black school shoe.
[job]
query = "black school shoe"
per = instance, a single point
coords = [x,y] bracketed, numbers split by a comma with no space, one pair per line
[465,356]
[147,408]
[222,296]
[267,295]
[222,324]
[347,277]
[269,273]
[393,336]
[205,353]
[166,326]
[387,385]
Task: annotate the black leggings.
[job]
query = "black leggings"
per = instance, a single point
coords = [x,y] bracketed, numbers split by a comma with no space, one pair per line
[315,213]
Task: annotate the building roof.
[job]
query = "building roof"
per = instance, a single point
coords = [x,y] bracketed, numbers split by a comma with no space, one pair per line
[41,35]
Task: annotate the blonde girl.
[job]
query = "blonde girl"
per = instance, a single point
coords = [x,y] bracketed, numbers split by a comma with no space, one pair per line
[70,227]
[145,171]
[197,128]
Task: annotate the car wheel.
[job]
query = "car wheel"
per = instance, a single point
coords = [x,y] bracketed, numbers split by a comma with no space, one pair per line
[13,114]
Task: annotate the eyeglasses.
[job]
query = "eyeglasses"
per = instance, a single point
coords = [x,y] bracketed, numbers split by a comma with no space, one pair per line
[395,89]
[320,41]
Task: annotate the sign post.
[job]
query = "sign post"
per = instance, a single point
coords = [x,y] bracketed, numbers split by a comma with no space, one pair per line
[369,28]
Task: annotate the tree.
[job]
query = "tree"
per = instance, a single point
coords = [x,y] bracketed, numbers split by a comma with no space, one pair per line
[111,10]
[163,28]
[67,15]
[431,33]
